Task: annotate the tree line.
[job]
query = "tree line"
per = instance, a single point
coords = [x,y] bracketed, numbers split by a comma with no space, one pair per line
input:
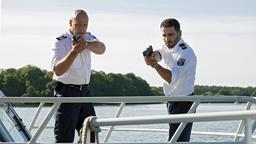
[33,81]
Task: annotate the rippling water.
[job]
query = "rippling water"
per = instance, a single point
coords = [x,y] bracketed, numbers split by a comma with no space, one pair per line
[145,110]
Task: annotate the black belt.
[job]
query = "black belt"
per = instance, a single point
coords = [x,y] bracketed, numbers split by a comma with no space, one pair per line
[189,102]
[79,87]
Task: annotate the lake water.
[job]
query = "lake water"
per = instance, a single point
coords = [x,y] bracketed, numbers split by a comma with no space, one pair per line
[144,110]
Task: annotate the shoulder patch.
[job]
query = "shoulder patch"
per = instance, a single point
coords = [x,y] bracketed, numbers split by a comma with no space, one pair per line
[182,46]
[181,62]
[91,35]
[94,37]
[61,37]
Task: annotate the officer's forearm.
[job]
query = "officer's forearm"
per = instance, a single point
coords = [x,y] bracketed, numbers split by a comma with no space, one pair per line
[96,47]
[63,65]
[164,73]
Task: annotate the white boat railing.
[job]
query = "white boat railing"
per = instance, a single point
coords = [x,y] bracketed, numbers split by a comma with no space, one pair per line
[246,117]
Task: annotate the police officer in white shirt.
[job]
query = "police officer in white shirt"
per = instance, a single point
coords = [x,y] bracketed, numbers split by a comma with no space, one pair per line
[178,71]
[71,65]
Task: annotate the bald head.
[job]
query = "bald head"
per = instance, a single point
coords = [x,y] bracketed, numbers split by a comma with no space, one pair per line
[79,13]
[79,22]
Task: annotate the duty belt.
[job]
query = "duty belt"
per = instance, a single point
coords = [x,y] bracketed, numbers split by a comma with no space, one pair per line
[80,87]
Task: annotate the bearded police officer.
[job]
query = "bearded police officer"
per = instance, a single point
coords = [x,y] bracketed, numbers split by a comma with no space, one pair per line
[71,64]
[178,71]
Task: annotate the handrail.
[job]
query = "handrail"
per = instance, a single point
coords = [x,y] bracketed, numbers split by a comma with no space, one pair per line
[158,119]
[247,116]
[131,99]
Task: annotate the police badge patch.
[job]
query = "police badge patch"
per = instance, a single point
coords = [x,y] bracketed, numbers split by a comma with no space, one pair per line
[181,62]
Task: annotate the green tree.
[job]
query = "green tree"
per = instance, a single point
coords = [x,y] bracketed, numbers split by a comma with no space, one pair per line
[100,84]
[139,86]
[208,93]
[235,91]
[11,83]
[157,91]
[33,81]
[31,91]
[253,93]
[222,92]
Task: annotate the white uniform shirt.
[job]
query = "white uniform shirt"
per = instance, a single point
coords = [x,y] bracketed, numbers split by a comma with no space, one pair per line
[80,71]
[181,61]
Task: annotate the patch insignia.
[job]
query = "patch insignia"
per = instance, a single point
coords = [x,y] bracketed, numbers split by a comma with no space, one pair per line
[182,46]
[181,62]
[94,37]
[91,35]
[61,37]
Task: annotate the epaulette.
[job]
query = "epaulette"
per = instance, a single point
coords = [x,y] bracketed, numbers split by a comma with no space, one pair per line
[91,35]
[61,37]
[182,46]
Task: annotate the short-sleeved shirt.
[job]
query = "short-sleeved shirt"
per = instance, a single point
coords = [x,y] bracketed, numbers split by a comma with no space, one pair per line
[80,71]
[181,61]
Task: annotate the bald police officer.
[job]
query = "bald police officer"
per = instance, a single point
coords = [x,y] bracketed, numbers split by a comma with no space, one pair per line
[71,64]
[178,71]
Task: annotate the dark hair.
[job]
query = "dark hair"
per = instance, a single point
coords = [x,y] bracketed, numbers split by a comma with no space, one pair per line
[171,22]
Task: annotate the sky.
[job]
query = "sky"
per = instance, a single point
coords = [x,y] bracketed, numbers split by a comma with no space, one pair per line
[221,32]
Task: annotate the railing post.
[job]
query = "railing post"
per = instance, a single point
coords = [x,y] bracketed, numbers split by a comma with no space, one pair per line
[183,124]
[248,131]
[120,109]
[31,126]
[254,125]
[241,124]
[44,123]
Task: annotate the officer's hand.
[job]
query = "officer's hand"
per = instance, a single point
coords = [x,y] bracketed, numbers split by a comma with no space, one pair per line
[150,61]
[79,46]
[157,56]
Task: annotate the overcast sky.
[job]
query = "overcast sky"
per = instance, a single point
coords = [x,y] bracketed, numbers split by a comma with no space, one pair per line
[221,32]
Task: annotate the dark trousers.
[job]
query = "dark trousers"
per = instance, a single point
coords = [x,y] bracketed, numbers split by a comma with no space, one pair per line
[70,117]
[179,108]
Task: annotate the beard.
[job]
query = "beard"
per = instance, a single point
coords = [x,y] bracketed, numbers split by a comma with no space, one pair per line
[171,45]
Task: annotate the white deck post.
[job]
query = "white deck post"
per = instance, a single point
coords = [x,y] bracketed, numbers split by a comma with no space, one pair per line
[183,124]
[36,116]
[121,107]
[241,124]
[248,131]
[44,123]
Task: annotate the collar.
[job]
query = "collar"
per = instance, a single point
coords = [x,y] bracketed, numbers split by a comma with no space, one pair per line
[176,47]
[70,35]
